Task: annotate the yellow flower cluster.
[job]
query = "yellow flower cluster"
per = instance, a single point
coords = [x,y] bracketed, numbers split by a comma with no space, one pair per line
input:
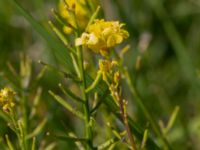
[109,74]
[102,35]
[80,10]
[6,98]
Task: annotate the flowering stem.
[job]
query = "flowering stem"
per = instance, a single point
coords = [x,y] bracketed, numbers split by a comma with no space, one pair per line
[125,120]
[122,106]
[88,128]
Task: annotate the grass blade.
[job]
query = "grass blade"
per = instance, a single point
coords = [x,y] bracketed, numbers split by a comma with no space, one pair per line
[38,129]
[66,105]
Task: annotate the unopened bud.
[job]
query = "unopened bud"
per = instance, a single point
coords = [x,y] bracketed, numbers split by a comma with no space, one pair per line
[117,77]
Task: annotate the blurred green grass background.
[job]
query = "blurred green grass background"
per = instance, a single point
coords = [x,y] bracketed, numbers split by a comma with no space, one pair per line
[165,34]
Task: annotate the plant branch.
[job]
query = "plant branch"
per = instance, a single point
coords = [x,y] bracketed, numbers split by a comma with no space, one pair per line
[85,98]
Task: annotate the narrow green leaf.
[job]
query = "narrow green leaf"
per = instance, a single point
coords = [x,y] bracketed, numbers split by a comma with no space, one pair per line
[94,83]
[51,146]
[68,138]
[33,144]
[35,102]
[78,143]
[70,94]
[10,146]
[145,137]
[93,17]
[38,129]
[61,72]
[114,131]
[107,143]
[61,36]
[172,119]
[66,105]
[41,73]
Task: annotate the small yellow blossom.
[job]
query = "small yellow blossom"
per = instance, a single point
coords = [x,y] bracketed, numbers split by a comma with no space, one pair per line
[80,10]
[109,74]
[102,35]
[6,98]
[104,65]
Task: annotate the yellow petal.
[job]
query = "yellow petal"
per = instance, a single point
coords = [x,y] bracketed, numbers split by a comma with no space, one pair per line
[125,34]
[106,32]
[114,39]
[67,29]
[78,41]
[92,39]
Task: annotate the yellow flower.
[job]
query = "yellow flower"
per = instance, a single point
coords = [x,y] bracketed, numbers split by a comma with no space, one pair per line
[106,68]
[6,98]
[104,65]
[80,10]
[102,35]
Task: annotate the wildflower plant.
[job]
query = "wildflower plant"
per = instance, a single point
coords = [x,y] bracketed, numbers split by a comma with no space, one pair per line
[86,35]
[99,36]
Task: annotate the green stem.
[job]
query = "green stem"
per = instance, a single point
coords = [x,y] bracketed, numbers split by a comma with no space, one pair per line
[25,117]
[18,132]
[88,128]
